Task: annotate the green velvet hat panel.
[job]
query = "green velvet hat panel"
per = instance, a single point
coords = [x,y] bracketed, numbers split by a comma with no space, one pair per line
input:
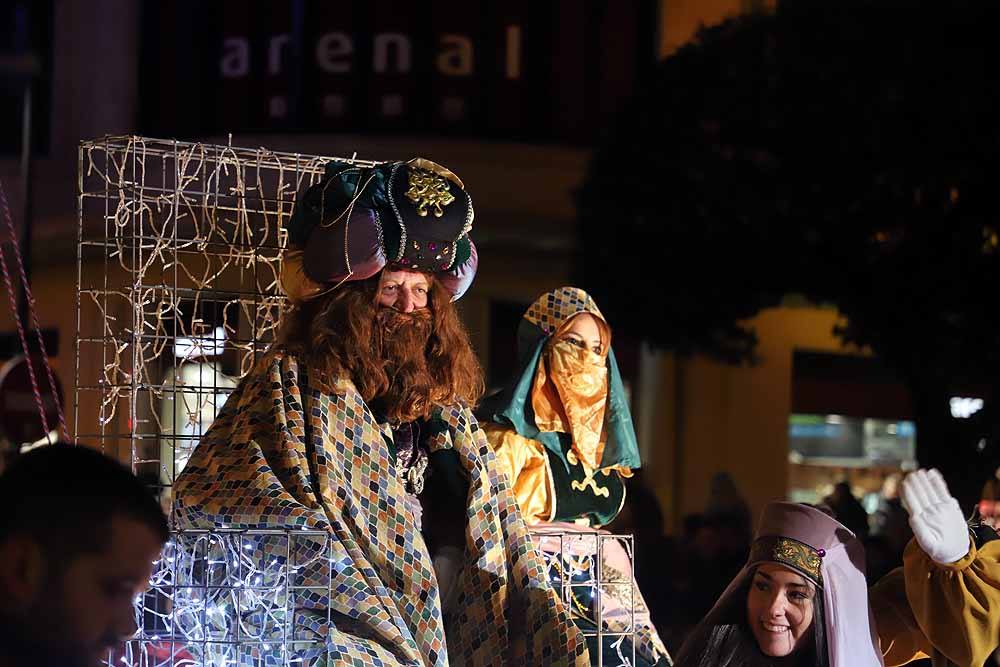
[425,216]
[332,195]
[358,220]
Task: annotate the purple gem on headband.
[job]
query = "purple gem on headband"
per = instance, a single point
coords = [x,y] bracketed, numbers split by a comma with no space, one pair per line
[821,553]
[432,246]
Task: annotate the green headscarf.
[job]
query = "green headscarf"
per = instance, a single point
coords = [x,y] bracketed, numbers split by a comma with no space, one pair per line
[513,406]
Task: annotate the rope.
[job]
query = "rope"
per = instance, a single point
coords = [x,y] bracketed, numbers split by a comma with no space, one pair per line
[34,321]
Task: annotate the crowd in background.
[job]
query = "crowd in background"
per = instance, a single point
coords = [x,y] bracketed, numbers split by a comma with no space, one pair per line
[683,575]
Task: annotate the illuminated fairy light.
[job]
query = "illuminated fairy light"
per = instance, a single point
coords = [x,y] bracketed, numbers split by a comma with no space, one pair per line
[189,347]
[214,601]
[228,597]
[190,238]
[963,407]
[173,223]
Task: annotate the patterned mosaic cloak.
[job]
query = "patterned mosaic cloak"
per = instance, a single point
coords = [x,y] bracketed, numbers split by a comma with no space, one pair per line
[285,455]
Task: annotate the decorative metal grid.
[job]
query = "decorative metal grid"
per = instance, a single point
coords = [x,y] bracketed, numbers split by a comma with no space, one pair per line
[247,598]
[599,589]
[231,597]
[179,248]
[179,251]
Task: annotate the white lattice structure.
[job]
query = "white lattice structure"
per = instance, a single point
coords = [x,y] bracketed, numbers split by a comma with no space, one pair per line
[235,597]
[178,259]
[179,252]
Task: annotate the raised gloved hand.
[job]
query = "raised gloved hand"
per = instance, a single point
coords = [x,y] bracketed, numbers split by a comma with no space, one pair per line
[935,517]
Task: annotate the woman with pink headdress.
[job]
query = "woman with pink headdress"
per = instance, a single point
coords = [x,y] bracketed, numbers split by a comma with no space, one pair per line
[802,598]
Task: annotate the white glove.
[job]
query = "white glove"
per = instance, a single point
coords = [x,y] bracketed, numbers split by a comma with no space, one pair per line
[935,517]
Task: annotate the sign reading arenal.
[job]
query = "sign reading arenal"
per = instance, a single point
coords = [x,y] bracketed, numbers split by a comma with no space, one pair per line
[521,69]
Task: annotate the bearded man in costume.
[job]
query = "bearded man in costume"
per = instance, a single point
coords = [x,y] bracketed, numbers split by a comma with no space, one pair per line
[358,422]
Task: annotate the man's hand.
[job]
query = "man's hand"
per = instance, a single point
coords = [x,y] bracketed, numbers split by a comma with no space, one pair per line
[936,518]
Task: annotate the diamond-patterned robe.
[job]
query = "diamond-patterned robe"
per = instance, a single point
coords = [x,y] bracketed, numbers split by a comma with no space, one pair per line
[284,455]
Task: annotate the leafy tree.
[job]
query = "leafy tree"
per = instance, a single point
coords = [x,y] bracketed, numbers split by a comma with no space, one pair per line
[850,155]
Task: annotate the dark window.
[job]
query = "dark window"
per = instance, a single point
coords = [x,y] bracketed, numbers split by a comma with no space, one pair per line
[25,36]
[505,317]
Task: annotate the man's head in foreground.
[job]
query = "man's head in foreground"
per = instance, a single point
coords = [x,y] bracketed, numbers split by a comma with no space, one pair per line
[78,535]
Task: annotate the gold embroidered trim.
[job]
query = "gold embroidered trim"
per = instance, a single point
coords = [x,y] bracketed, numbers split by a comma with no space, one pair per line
[428,189]
[588,478]
[590,483]
[792,553]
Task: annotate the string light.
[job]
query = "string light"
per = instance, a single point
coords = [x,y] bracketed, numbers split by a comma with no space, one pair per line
[572,564]
[215,592]
[217,597]
[250,229]
[229,597]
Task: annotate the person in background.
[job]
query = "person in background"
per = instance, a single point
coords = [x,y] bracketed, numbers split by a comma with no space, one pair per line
[991,488]
[78,537]
[890,530]
[848,510]
[725,499]
[989,500]
[727,514]
[803,600]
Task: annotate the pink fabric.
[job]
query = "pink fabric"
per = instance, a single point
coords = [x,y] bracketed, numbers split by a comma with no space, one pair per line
[458,280]
[341,251]
[851,636]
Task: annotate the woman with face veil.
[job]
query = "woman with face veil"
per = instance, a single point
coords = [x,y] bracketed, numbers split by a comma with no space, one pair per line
[802,598]
[563,434]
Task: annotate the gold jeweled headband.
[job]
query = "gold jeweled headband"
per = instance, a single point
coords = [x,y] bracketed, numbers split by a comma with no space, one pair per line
[796,555]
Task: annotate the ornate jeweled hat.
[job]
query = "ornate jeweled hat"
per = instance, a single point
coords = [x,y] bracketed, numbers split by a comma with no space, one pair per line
[358,220]
[799,537]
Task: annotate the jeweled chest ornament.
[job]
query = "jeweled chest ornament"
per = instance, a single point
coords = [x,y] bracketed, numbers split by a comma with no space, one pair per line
[427,189]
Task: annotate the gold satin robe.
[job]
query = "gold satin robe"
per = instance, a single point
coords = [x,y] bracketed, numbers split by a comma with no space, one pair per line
[949,613]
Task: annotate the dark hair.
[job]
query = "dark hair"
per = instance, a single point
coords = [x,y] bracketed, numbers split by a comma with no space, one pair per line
[64,497]
[724,639]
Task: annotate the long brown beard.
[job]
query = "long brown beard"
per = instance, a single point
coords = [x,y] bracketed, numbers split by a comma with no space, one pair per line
[400,342]
[341,334]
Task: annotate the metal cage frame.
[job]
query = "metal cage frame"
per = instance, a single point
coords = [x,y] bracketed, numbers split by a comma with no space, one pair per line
[180,241]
